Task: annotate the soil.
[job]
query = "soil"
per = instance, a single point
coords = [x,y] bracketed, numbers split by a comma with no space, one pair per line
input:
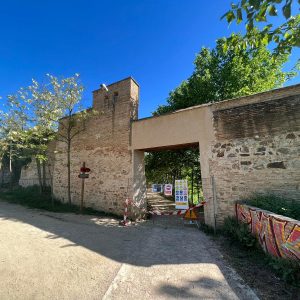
[253,269]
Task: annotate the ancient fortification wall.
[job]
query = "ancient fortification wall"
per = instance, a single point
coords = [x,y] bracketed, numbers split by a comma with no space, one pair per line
[104,147]
[256,149]
[247,145]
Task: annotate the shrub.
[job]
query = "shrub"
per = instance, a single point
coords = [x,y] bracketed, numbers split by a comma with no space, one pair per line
[278,205]
[240,232]
[288,270]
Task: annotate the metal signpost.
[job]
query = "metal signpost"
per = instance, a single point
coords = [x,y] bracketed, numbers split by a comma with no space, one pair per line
[83,175]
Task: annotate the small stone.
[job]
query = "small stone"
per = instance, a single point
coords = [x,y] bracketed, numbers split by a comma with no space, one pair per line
[217,145]
[283,150]
[291,136]
[259,153]
[231,155]
[244,154]
[261,149]
[245,149]
[259,167]
[220,153]
[246,163]
[276,165]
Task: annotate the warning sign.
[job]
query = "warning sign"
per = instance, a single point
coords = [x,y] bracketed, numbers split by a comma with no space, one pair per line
[168,189]
[181,194]
[190,215]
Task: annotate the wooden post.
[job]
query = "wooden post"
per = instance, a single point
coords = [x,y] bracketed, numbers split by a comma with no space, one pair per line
[82,190]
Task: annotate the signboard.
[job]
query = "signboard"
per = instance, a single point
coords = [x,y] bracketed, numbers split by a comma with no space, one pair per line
[181,194]
[168,189]
[157,188]
[83,175]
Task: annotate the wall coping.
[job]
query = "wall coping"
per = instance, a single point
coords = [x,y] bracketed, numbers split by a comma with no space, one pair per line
[274,94]
[277,216]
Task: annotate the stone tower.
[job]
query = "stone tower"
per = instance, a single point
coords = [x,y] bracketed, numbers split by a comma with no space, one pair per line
[105,148]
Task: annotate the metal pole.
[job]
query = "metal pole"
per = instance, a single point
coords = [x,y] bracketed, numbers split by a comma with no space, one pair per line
[214,202]
[82,190]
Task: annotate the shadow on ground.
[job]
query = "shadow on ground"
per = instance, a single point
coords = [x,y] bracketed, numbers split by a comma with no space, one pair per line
[142,245]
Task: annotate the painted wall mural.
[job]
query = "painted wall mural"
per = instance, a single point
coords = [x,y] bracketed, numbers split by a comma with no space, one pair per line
[278,235]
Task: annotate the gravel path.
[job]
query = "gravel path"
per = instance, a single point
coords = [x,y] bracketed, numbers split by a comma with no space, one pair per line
[65,256]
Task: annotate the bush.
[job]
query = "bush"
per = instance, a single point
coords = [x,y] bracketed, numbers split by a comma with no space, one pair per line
[278,205]
[288,270]
[237,231]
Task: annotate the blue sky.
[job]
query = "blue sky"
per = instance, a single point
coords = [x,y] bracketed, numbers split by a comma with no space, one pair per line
[105,41]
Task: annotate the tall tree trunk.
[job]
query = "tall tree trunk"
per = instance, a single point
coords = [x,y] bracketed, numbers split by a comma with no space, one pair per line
[44,175]
[69,171]
[38,166]
[51,183]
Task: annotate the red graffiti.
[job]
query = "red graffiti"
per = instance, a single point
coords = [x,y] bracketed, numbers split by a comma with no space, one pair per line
[278,235]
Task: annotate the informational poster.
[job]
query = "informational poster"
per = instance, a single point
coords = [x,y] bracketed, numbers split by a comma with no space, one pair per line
[157,188]
[168,189]
[181,194]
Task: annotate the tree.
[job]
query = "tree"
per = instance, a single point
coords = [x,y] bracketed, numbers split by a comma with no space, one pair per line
[228,71]
[286,36]
[57,105]
[12,123]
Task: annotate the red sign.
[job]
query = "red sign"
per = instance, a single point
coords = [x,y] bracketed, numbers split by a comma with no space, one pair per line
[84,169]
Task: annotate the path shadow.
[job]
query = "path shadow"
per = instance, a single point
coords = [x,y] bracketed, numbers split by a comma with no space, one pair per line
[145,244]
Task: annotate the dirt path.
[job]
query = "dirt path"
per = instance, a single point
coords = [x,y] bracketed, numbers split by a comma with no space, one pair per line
[63,256]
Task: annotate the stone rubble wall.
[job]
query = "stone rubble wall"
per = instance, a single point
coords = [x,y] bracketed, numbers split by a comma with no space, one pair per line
[256,150]
[29,173]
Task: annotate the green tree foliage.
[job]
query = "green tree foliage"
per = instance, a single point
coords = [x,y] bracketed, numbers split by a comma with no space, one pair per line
[286,36]
[35,115]
[228,71]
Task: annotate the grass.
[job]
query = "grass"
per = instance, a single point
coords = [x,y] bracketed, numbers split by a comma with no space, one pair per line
[278,205]
[31,197]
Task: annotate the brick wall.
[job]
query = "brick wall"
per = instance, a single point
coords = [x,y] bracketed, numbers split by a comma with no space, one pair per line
[104,146]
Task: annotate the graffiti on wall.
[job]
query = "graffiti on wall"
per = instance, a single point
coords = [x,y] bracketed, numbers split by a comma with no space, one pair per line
[278,235]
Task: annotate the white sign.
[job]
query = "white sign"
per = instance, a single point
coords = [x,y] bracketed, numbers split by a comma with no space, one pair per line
[181,194]
[168,189]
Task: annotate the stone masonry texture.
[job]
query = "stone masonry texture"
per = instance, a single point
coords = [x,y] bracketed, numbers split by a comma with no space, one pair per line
[256,150]
[104,147]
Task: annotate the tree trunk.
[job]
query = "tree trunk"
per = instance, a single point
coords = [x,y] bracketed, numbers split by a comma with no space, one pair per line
[38,165]
[69,171]
[44,175]
[51,182]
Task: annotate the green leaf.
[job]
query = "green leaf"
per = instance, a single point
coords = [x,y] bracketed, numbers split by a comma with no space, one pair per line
[287,10]
[273,10]
[239,15]
[230,17]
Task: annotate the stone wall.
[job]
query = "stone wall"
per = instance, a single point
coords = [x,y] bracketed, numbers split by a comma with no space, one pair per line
[278,235]
[29,172]
[104,147]
[256,150]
